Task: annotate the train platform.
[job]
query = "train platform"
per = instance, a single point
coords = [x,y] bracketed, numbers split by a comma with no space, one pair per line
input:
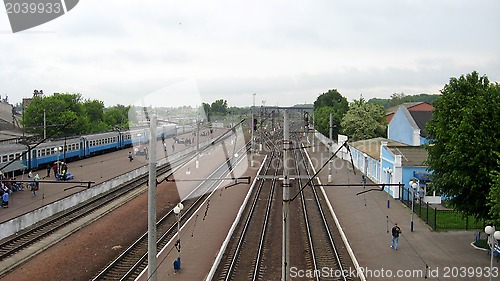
[95,169]
[367,221]
[203,234]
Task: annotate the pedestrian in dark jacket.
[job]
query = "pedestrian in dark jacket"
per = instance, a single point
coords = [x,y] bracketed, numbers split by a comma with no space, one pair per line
[395,236]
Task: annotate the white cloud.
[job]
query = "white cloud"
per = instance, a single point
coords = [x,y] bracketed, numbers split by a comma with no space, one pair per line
[285,51]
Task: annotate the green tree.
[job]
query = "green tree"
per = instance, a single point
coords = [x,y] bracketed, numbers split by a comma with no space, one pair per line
[322,121]
[88,116]
[364,120]
[464,130]
[219,107]
[206,108]
[326,103]
[94,115]
[332,98]
[494,194]
[118,116]
[59,109]
[399,98]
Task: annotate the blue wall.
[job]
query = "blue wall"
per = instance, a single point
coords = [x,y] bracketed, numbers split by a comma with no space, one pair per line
[400,129]
[408,174]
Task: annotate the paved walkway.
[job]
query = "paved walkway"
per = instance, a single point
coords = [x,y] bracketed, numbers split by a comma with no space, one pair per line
[367,222]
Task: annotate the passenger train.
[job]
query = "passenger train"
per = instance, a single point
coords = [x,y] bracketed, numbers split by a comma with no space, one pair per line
[80,147]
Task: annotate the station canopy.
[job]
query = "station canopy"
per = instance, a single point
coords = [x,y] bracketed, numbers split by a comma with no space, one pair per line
[15,166]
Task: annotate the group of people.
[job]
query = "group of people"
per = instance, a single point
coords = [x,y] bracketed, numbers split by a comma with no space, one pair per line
[8,186]
[60,170]
[6,189]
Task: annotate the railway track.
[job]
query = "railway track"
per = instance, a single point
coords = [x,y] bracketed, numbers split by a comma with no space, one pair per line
[133,260]
[323,244]
[14,244]
[254,252]
[249,240]
[29,236]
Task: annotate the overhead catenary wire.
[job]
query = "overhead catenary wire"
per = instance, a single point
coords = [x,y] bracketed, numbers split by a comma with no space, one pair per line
[320,169]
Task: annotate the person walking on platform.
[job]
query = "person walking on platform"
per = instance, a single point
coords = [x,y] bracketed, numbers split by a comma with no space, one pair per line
[48,170]
[130,156]
[395,236]
[36,185]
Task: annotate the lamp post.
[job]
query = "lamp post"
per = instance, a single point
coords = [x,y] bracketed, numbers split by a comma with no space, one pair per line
[413,184]
[59,149]
[177,210]
[493,238]
[389,172]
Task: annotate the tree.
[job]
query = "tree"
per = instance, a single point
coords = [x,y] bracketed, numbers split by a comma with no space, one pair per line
[219,107]
[94,115]
[88,116]
[329,102]
[332,98]
[397,99]
[464,132]
[59,109]
[494,194]
[118,116]
[364,120]
[206,108]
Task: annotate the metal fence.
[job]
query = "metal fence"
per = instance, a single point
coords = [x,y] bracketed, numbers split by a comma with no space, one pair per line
[439,219]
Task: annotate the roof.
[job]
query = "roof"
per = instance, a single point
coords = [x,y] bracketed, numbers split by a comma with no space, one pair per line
[421,118]
[392,110]
[410,155]
[372,146]
[14,166]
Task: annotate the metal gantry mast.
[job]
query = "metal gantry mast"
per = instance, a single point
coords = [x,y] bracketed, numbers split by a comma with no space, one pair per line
[286,201]
[152,202]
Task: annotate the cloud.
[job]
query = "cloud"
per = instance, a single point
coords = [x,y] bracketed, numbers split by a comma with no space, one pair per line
[286,52]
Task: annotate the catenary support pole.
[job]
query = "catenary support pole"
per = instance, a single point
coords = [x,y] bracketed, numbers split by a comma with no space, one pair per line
[314,133]
[286,202]
[152,202]
[330,164]
[252,128]
[197,163]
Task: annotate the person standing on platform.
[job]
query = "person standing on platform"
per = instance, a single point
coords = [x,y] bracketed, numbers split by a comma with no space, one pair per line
[395,236]
[130,156]
[30,174]
[48,170]
[173,148]
[5,200]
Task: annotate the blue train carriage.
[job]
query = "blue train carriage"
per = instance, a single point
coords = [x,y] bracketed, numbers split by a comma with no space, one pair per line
[139,136]
[125,139]
[167,131]
[52,151]
[100,143]
[9,152]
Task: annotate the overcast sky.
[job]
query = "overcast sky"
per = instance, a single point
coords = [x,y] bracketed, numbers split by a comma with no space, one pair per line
[172,53]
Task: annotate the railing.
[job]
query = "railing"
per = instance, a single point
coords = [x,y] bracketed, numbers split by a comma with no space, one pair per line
[440,219]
